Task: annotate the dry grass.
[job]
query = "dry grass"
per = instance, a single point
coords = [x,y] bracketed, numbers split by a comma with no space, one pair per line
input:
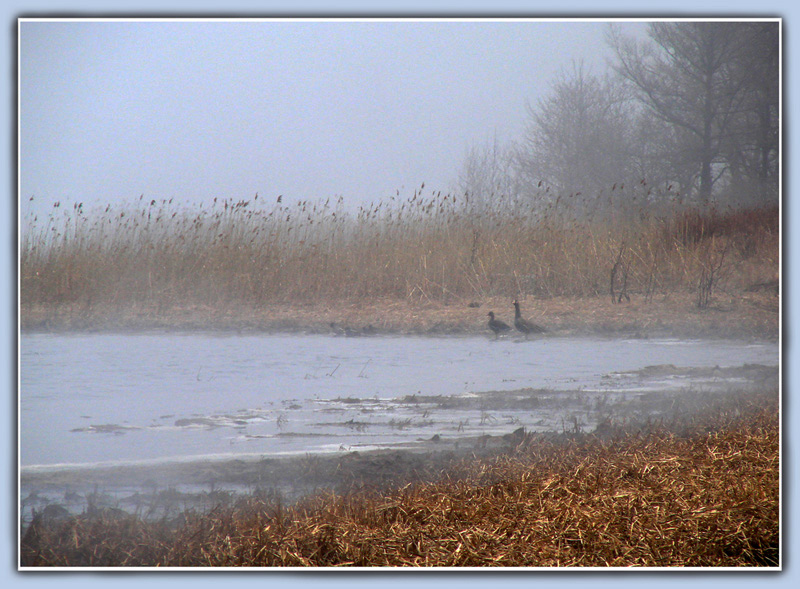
[154,260]
[705,497]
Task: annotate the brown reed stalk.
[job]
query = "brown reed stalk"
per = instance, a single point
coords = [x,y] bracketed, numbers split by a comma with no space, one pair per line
[158,257]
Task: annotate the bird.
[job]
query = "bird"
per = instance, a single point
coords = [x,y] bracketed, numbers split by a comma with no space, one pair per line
[496,325]
[523,325]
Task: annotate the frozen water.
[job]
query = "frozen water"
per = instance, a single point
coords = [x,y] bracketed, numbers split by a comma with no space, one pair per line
[117,398]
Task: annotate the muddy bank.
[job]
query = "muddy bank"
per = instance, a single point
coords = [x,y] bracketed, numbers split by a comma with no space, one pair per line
[164,489]
[752,313]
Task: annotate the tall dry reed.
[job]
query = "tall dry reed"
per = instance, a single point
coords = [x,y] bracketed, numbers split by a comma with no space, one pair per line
[429,247]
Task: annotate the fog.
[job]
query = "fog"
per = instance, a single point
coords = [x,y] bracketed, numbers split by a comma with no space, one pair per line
[194,110]
[156,336]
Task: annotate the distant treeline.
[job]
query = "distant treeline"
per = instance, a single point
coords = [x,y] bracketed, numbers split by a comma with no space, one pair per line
[694,107]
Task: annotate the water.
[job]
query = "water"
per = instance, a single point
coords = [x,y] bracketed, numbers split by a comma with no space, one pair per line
[123,398]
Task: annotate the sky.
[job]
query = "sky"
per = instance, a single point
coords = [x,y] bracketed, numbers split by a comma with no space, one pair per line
[193,110]
[96,168]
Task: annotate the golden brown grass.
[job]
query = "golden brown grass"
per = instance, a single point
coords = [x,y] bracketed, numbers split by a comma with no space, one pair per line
[152,261]
[709,498]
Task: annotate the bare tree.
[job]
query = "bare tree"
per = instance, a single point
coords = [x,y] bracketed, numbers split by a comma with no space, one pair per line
[687,76]
[488,177]
[578,139]
[751,145]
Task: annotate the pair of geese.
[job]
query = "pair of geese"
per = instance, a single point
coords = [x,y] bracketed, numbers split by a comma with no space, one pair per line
[523,325]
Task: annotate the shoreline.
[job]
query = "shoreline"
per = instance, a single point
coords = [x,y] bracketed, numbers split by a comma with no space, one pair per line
[747,315]
[165,487]
[170,487]
[704,493]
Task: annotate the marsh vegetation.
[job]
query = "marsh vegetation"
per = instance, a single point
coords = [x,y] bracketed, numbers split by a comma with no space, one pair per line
[151,263]
[636,205]
[697,489]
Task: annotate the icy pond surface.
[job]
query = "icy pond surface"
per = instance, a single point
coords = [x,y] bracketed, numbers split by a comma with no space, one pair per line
[124,398]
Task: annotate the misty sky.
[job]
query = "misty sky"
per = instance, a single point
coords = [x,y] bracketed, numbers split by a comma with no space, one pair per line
[204,109]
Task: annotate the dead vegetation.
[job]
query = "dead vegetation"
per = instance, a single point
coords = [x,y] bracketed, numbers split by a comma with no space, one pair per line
[702,493]
[699,497]
[154,263]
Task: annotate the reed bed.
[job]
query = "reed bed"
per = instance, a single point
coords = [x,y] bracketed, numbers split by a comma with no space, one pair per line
[158,258]
[702,495]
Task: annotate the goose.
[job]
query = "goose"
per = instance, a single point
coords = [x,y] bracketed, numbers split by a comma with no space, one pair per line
[496,325]
[523,325]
